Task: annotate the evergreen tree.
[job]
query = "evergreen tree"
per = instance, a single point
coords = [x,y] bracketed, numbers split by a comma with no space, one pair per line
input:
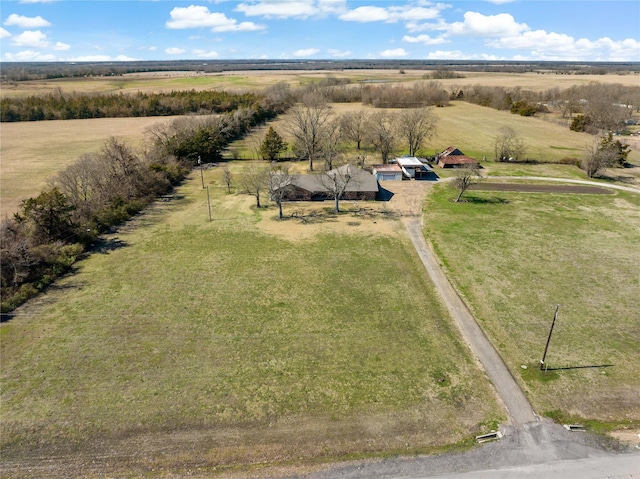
[272,145]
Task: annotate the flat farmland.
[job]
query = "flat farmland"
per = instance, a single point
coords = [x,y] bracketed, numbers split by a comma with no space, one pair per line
[238,342]
[258,79]
[33,152]
[515,256]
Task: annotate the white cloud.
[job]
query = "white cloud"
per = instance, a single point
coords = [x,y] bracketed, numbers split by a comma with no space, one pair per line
[205,54]
[29,56]
[240,27]
[393,53]
[174,51]
[26,22]
[366,14]
[458,55]
[59,46]
[332,6]
[338,53]
[4,33]
[424,39]
[91,58]
[544,45]
[477,24]
[499,2]
[125,58]
[280,9]
[200,17]
[30,39]
[406,13]
[305,52]
[35,1]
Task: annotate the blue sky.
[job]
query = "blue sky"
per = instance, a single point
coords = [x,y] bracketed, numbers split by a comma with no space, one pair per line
[112,30]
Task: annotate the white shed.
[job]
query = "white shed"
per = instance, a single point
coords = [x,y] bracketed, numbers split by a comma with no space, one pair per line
[387,172]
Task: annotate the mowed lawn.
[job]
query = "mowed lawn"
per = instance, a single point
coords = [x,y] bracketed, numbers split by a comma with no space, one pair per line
[215,343]
[515,256]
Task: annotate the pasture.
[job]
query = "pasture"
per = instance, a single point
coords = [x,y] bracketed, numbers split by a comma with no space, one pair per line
[183,342]
[33,152]
[249,80]
[515,256]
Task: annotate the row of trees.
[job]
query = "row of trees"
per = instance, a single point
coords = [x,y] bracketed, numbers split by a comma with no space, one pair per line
[103,189]
[602,106]
[320,135]
[60,106]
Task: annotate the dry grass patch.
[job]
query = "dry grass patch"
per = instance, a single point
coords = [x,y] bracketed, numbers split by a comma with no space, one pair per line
[34,151]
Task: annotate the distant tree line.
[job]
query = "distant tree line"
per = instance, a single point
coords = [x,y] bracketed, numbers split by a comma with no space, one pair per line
[596,106]
[60,106]
[105,188]
[21,71]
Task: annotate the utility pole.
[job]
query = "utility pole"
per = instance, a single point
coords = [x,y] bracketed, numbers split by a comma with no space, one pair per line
[209,202]
[544,355]
[201,174]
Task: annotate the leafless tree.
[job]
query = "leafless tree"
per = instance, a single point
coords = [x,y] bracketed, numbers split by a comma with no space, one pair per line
[337,180]
[382,133]
[279,185]
[308,123]
[602,106]
[354,126]
[16,256]
[254,181]
[508,145]
[465,177]
[331,142]
[416,125]
[597,158]
[227,177]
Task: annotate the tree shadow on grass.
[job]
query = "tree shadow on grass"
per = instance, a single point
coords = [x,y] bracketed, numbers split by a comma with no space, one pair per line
[591,366]
[493,200]
[106,245]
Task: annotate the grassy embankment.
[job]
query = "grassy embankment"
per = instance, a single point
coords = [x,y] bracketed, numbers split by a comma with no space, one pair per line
[515,256]
[230,345]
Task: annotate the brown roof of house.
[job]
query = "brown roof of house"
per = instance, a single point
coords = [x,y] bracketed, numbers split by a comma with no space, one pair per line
[453,156]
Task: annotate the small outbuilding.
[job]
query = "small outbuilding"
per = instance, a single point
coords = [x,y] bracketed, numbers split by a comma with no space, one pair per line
[387,172]
[454,158]
[413,167]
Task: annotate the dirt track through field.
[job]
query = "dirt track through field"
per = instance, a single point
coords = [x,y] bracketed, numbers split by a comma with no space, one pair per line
[407,201]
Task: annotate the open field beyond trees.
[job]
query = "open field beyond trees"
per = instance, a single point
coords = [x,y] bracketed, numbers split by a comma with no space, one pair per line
[233,342]
[250,80]
[515,256]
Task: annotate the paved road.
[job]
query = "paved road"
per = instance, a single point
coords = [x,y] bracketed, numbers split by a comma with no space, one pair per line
[619,467]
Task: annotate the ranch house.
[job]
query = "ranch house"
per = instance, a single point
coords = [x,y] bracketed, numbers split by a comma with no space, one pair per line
[313,187]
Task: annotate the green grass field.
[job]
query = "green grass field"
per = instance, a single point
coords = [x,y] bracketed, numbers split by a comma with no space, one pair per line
[515,256]
[239,347]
